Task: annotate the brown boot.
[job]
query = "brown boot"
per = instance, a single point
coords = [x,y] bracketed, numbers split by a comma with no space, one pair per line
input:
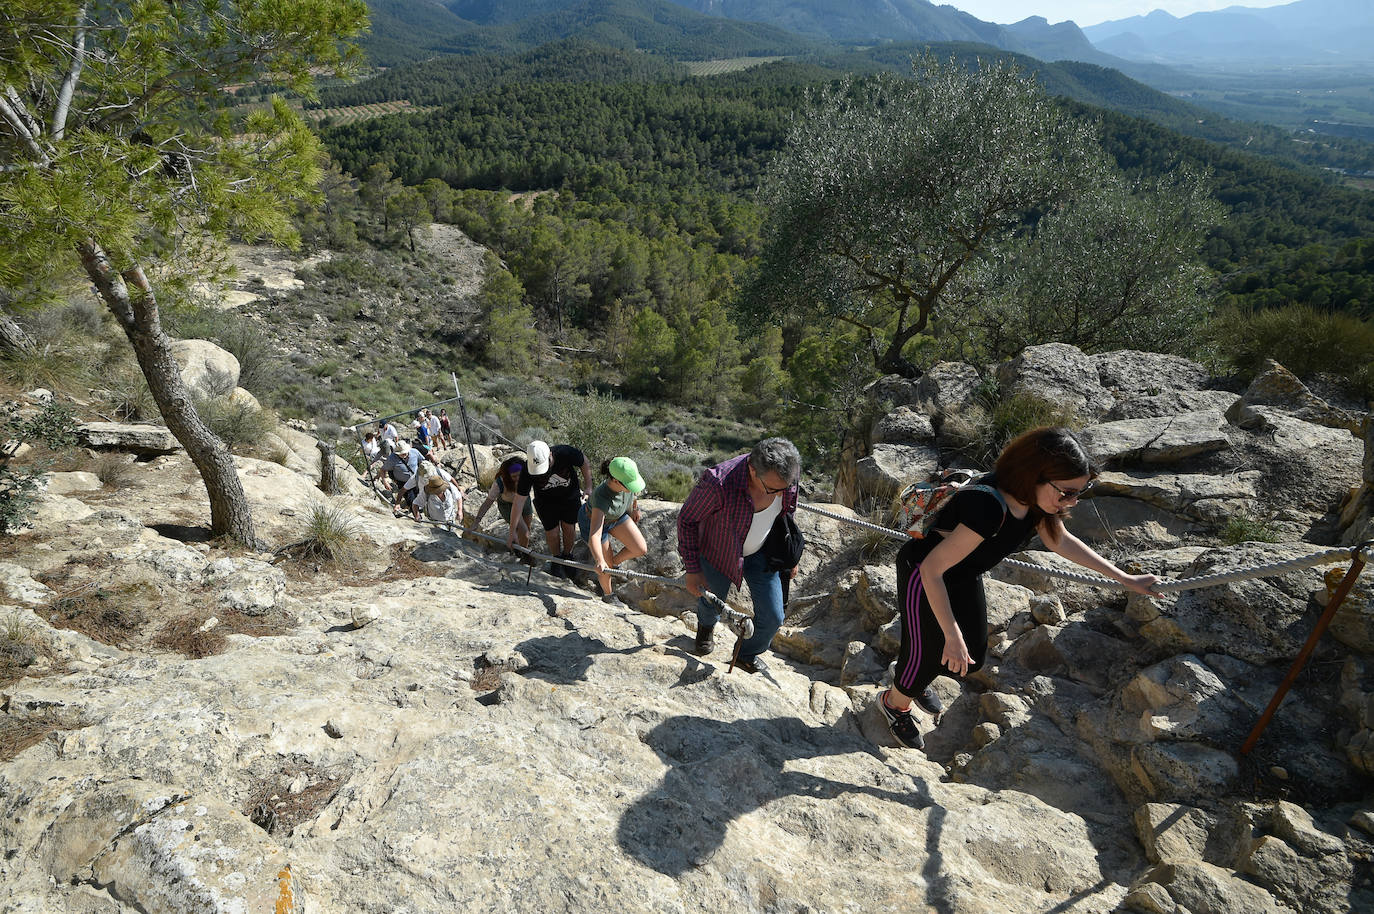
[705,641]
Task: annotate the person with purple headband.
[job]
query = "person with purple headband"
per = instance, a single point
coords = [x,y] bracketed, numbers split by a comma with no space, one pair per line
[502,494]
[940,599]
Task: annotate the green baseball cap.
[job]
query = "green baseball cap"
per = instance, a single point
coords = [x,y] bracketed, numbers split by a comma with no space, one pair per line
[624,470]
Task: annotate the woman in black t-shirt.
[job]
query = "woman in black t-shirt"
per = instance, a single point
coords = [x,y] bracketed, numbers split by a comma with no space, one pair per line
[940,597]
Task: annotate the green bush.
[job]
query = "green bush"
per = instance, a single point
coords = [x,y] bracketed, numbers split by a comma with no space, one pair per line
[1244,529]
[1303,339]
[237,422]
[985,427]
[54,427]
[600,425]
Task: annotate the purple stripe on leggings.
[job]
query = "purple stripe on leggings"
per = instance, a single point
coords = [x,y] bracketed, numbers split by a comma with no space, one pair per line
[907,675]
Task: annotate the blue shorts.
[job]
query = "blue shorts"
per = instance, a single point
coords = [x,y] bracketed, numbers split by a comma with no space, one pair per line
[584,525]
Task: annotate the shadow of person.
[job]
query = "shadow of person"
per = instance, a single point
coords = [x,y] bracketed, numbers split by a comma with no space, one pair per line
[721,770]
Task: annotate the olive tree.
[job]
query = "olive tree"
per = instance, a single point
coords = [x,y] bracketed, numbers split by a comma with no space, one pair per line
[959,194]
[123,152]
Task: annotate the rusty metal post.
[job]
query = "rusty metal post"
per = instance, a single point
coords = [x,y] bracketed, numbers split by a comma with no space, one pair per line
[1357,564]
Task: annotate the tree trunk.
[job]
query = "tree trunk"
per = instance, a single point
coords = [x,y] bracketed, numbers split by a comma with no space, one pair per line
[329,479]
[136,311]
[12,336]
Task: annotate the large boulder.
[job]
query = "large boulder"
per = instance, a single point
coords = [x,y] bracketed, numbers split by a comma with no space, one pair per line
[1277,387]
[891,467]
[1131,372]
[904,425]
[1200,496]
[1157,441]
[1059,376]
[206,369]
[948,387]
[144,440]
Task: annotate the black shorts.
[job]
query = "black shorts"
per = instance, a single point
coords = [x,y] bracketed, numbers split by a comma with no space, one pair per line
[553,512]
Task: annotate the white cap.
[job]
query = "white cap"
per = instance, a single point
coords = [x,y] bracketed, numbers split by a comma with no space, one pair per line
[540,458]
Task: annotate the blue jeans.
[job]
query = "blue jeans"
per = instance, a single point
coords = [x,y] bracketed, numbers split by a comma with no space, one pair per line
[765,589]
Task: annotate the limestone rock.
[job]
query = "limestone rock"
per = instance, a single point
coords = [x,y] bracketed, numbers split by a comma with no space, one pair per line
[18,585]
[894,389]
[72,483]
[1169,403]
[1126,522]
[248,586]
[1255,620]
[1183,771]
[891,467]
[1201,887]
[1173,832]
[1153,441]
[145,440]
[1201,496]
[904,425]
[1353,623]
[206,369]
[948,387]
[1057,375]
[1277,387]
[1148,373]
[876,592]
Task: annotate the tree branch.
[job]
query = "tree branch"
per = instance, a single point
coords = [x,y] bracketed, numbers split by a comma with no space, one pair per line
[64,95]
[15,116]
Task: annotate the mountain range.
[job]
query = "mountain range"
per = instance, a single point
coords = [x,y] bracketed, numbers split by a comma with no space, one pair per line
[1331,31]
[699,29]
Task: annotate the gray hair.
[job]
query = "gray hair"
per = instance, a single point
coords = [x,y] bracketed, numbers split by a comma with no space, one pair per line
[777,455]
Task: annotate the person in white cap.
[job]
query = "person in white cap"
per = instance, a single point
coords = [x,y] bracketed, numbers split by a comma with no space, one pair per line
[613,511]
[550,475]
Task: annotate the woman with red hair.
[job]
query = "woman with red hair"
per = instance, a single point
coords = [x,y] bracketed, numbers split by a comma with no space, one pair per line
[941,603]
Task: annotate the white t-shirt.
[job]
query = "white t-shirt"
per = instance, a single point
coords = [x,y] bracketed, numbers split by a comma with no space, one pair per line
[442,507]
[434,425]
[389,432]
[763,522]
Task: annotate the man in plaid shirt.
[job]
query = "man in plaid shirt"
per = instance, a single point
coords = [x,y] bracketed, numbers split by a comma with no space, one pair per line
[720,532]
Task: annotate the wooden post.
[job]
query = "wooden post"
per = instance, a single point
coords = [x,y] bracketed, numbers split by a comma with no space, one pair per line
[1342,590]
[329,479]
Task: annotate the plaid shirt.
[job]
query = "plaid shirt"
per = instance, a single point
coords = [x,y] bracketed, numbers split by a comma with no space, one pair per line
[716,517]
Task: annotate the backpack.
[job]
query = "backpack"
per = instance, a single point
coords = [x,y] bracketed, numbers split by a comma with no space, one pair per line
[920,502]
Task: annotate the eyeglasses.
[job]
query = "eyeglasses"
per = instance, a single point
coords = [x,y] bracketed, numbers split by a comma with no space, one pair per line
[767,489]
[1071,494]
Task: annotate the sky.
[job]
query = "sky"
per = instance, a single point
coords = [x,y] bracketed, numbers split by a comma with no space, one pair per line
[1089,12]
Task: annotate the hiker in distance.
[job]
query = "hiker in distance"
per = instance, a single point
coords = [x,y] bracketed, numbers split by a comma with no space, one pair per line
[720,534]
[941,603]
[550,474]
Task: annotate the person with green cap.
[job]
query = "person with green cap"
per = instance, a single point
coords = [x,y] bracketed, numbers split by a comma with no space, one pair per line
[613,511]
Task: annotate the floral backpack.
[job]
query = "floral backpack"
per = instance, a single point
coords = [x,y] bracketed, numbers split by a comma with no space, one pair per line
[920,502]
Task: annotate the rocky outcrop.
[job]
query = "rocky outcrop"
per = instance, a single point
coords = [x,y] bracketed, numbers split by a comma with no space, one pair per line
[206,369]
[144,440]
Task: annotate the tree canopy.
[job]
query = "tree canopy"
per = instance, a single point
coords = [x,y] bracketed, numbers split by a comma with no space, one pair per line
[897,201]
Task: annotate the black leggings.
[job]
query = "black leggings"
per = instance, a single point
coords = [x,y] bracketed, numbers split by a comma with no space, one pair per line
[923,641]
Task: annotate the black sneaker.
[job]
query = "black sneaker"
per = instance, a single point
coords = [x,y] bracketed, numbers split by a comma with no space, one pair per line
[752,665]
[705,640]
[902,725]
[613,601]
[930,702]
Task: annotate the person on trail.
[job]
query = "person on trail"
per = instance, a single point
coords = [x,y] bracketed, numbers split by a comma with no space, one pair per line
[502,494]
[551,476]
[438,497]
[372,454]
[387,431]
[445,428]
[613,511]
[420,428]
[436,437]
[720,534]
[401,468]
[941,604]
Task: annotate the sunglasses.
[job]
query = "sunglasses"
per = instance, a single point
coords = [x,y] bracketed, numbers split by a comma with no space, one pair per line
[1070,494]
[767,489]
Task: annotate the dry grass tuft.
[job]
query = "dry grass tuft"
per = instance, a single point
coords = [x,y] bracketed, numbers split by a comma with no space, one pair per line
[276,810]
[115,471]
[115,617]
[187,636]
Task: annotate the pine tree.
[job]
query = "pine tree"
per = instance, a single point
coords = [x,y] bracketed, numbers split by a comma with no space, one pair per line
[121,151]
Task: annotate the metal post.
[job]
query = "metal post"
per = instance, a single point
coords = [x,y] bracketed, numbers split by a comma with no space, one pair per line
[467,430]
[1342,590]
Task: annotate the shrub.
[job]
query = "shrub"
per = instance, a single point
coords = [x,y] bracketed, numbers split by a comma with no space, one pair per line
[115,471]
[985,427]
[331,536]
[54,428]
[674,485]
[1305,340]
[237,422]
[1244,529]
[600,425]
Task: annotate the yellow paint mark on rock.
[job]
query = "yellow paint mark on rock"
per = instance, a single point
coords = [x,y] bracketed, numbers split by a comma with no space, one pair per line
[286,903]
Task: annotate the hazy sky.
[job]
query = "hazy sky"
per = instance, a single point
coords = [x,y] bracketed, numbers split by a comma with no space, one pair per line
[1089,12]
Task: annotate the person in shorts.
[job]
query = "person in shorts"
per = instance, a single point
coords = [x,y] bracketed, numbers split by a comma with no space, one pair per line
[502,494]
[613,511]
[550,477]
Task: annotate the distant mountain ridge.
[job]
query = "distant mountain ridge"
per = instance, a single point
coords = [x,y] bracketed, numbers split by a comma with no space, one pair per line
[1306,30]
[686,29]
